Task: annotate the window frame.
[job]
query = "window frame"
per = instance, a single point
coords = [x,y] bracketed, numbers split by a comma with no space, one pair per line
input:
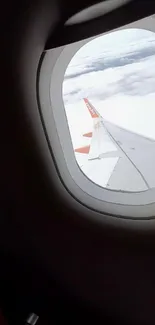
[140,205]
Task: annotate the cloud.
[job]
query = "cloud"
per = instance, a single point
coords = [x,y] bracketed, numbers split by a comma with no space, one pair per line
[132,79]
[122,89]
[101,64]
[112,50]
[120,62]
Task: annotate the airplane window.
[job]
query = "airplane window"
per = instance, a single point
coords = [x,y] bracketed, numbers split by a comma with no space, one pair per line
[109,99]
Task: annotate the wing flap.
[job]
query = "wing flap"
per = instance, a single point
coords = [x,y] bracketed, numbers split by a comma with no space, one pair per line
[139,150]
[99,171]
[135,155]
[101,142]
[88,135]
[83,149]
[125,177]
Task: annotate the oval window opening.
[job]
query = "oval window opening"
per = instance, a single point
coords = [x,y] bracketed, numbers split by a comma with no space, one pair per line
[109,99]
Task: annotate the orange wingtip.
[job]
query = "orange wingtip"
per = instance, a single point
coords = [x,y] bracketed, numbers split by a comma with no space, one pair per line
[83,149]
[88,135]
[91,109]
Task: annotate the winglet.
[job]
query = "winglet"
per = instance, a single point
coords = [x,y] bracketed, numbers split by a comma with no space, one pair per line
[93,112]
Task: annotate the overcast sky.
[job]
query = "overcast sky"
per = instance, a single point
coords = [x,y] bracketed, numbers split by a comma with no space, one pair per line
[116,72]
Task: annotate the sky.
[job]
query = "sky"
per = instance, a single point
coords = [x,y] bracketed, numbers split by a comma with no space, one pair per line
[116,72]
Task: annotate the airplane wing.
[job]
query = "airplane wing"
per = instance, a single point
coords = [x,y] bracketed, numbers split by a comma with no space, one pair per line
[117,158]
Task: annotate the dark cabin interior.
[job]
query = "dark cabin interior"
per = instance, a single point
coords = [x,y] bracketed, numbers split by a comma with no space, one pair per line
[55,261]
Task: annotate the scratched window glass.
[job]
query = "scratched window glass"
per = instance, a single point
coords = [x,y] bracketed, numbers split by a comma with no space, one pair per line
[109,99]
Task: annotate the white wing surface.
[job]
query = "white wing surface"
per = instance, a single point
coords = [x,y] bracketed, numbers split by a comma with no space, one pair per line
[117,158]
